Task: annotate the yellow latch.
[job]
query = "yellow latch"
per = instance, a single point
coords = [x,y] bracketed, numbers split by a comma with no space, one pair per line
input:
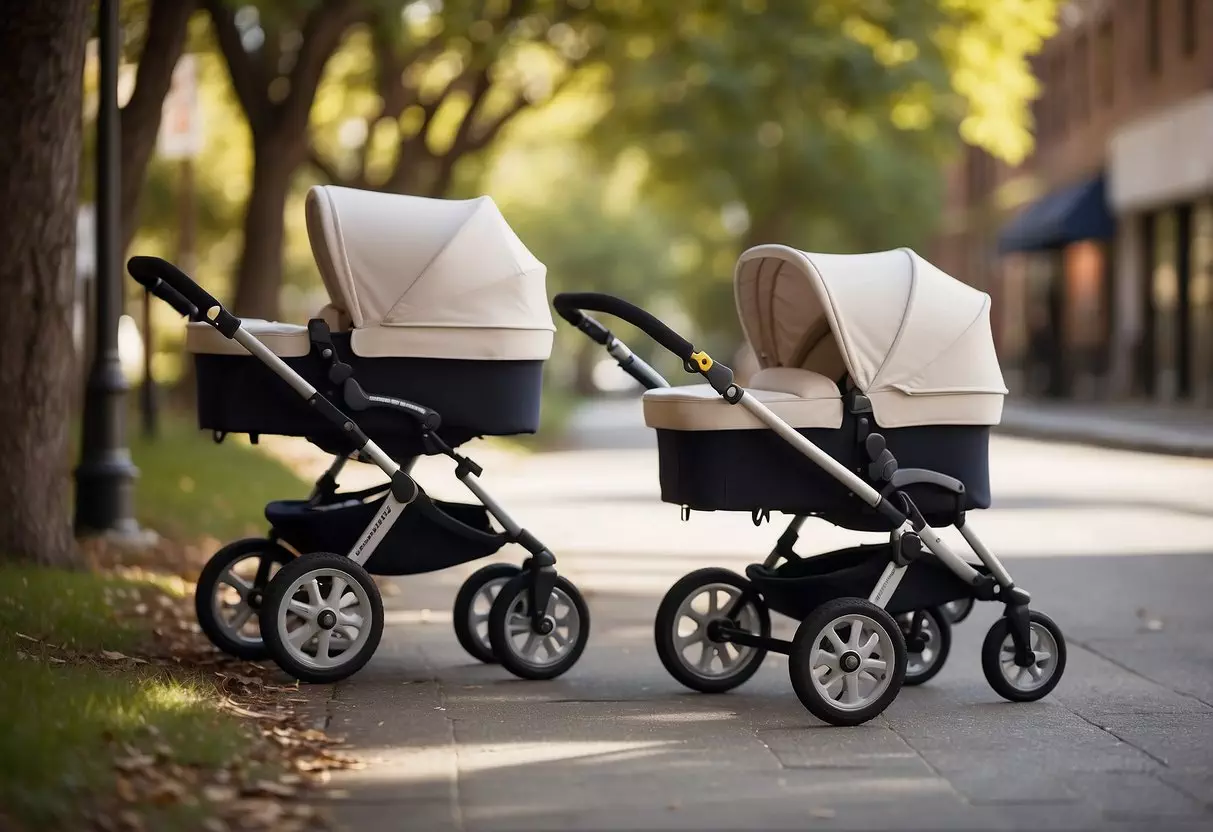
[703,360]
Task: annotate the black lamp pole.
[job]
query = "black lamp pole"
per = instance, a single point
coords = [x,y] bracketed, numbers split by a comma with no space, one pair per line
[105,477]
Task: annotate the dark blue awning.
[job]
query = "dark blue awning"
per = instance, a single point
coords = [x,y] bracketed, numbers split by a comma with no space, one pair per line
[1077,212]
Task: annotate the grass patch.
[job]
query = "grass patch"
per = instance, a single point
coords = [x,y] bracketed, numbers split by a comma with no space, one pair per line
[190,488]
[70,711]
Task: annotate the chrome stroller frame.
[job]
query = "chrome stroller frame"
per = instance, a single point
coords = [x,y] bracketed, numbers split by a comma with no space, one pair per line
[522,607]
[1008,653]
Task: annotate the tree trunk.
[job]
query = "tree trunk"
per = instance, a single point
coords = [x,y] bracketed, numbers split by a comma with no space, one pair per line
[41,83]
[259,275]
[139,121]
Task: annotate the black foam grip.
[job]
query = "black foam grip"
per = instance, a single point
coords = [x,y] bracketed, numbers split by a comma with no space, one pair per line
[570,304]
[154,274]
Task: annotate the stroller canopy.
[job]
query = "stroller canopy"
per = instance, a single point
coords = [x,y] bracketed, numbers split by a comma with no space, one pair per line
[916,341]
[429,278]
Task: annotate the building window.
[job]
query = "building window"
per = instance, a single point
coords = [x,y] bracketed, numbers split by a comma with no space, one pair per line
[1190,27]
[1105,68]
[1153,38]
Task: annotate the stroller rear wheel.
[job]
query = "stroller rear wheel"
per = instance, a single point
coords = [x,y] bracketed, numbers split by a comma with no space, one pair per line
[473,605]
[231,591]
[958,610]
[538,655]
[323,618]
[683,630]
[848,661]
[928,635]
[1037,680]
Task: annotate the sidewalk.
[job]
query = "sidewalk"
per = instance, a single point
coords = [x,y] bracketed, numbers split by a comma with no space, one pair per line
[1136,427]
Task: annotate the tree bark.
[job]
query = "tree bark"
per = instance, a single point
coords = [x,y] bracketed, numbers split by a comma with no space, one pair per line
[41,84]
[259,273]
[139,121]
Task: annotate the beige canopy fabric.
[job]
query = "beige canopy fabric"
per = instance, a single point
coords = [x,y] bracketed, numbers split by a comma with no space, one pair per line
[428,278]
[915,340]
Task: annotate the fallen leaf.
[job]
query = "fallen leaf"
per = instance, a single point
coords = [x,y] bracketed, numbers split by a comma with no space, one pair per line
[125,790]
[219,793]
[269,787]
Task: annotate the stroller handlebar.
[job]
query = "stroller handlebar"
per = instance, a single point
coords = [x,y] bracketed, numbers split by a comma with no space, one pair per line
[571,306]
[178,290]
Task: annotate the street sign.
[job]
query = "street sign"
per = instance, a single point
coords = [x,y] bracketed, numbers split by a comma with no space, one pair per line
[181,127]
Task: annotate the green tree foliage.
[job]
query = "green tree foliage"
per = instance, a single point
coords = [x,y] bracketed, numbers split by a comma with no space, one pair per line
[820,125]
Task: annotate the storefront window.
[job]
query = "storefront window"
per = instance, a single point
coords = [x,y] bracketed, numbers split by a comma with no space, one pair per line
[1164,296]
[1200,298]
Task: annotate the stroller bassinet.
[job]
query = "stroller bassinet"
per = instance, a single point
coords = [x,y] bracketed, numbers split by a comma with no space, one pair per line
[432,301]
[847,344]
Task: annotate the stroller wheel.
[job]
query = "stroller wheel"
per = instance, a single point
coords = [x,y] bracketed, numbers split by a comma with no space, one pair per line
[1024,684]
[473,605]
[323,618]
[690,611]
[533,655]
[848,661]
[958,610]
[229,595]
[933,641]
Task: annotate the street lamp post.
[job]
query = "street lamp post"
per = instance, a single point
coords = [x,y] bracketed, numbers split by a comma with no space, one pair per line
[105,476]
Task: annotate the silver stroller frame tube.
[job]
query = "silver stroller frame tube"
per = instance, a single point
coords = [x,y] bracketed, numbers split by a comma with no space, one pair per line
[181,292]
[571,306]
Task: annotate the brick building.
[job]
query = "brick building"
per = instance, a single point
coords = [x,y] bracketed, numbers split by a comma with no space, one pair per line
[1098,250]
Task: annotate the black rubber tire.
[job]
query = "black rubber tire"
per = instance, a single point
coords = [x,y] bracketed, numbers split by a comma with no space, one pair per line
[469,640]
[811,630]
[965,611]
[276,600]
[991,650]
[204,593]
[942,626]
[499,638]
[663,631]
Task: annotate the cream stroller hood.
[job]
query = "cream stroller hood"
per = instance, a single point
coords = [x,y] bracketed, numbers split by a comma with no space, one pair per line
[428,278]
[916,341]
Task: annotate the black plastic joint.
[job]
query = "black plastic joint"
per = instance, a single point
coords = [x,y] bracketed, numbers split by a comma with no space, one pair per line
[597,332]
[331,412]
[890,512]
[540,556]
[465,466]
[909,549]
[404,488]
[721,379]
[227,323]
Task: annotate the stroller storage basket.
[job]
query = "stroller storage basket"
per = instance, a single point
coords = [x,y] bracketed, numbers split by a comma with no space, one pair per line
[798,587]
[429,536]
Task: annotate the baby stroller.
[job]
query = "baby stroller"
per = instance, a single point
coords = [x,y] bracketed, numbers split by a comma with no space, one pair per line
[436,332]
[880,371]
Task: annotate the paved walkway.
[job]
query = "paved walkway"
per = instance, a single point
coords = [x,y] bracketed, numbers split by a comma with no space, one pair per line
[1181,431]
[1117,546]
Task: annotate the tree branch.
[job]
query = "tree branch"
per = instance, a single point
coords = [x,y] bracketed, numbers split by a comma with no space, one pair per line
[247,80]
[327,170]
[139,121]
[323,31]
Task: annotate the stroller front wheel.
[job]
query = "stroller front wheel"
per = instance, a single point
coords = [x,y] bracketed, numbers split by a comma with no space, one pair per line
[538,655]
[1037,680]
[848,661]
[473,605]
[322,618]
[683,629]
[231,591]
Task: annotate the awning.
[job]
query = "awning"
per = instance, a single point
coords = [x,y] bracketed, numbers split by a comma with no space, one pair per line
[1077,212]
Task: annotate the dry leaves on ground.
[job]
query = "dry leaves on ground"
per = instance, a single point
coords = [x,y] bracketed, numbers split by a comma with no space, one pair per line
[265,790]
